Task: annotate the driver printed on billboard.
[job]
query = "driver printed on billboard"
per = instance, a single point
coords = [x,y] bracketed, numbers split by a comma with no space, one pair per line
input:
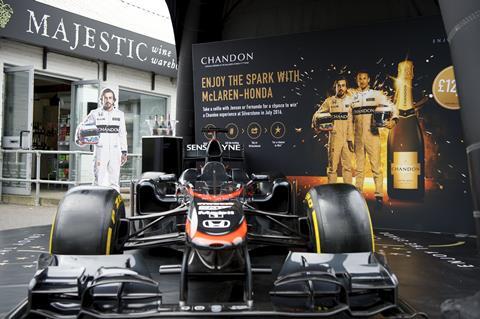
[104,128]
[340,139]
[366,134]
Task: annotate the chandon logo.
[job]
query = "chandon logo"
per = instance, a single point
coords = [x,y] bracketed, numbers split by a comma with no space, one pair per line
[108,128]
[227,59]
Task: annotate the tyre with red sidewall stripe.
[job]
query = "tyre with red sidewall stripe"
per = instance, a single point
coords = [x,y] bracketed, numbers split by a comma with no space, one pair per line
[88,222]
[339,220]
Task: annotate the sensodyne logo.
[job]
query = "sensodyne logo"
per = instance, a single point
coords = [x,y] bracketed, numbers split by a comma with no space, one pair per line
[6,12]
[203,147]
[227,59]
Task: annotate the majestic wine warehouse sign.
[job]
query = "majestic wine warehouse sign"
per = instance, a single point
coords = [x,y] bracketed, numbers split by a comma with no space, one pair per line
[43,25]
[267,93]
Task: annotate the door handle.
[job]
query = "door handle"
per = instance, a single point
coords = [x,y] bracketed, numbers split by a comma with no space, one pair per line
[21,140]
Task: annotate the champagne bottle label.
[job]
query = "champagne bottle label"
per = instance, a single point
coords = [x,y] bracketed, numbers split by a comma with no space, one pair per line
[405,170]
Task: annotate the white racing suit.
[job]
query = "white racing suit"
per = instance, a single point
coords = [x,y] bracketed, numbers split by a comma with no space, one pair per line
[366,137]
[112,143]
[342,132]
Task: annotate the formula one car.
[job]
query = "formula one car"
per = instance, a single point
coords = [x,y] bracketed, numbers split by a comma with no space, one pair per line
[214,224]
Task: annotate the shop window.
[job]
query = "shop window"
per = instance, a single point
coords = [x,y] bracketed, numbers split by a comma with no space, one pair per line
[140,109]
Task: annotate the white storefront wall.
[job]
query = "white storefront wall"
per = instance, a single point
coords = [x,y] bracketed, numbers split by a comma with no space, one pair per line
[71,68]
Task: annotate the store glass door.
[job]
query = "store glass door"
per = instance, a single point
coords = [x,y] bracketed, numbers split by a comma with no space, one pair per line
[17,128]
[85,98]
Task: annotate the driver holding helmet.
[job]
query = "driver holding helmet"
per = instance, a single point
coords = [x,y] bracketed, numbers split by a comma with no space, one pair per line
[335,116]
[371,110]
[104,127]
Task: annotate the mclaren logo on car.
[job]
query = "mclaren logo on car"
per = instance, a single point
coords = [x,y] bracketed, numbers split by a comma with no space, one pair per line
[215,210]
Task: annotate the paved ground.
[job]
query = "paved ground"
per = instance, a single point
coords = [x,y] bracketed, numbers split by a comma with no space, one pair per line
[20,216]
[18,211]
[431,269]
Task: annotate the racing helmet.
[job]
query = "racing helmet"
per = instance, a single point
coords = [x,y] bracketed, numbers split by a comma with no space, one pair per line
[88,132]
[324,121]
[381,115]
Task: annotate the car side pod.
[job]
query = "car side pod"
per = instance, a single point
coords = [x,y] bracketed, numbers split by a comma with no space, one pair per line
[358,283]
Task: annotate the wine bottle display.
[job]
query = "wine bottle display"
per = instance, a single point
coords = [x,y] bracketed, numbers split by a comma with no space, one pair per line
[156,126]
[169,126]
[163,127]
[405,148]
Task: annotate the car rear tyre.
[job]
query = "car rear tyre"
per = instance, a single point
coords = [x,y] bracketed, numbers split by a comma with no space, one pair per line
[88,222]
[339,220]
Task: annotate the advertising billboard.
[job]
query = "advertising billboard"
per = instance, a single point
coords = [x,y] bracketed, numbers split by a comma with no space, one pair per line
[373,106]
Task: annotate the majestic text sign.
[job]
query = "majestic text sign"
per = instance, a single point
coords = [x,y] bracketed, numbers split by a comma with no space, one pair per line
[39,24]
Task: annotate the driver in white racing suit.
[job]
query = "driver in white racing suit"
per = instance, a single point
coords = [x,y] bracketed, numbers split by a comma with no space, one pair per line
[366,135]
[111,150]
[340,138]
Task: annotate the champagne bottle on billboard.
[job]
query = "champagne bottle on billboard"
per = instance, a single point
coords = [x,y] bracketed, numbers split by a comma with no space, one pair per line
[405,148]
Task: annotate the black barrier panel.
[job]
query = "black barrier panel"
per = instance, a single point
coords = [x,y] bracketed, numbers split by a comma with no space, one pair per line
[162,154]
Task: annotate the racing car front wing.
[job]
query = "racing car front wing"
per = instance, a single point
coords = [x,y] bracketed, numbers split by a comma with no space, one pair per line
[308,285]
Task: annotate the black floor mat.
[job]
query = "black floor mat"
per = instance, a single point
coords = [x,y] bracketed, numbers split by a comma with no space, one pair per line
[431,268]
